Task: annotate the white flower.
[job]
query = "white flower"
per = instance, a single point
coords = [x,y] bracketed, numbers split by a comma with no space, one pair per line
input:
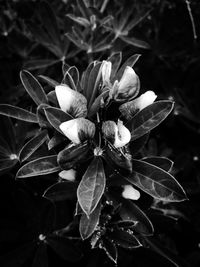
[71,101]
[130,193]
[106,72]
[145,100]
[128,86]
[68,175]
[78,130]
[117,134]
[129,109]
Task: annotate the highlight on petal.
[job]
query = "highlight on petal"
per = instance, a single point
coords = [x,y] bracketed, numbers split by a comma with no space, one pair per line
[122,135]
[129,109]
[65,96]
[68,175]
[145,100]
[106,72]
[117,134]
[129,192]
[71,101]
[78,130]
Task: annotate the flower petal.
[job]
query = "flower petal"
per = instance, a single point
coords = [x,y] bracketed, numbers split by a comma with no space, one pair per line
[71,101]
[106,72]
[128,86]
[68,175]
[122,135]
[78,130]
[129,109]
[130,193]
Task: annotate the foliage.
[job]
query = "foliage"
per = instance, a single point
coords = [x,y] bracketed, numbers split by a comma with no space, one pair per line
[81,157]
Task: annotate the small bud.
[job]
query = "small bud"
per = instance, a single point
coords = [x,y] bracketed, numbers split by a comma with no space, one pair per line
[129,109]
[106,72]
[71,101]
[117,134]
[78,130]
[68,175]
[130,193]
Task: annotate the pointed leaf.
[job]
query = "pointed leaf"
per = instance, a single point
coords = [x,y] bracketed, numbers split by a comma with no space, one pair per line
[88,225]
[115,59]
[137,145]
[91,187]
[131,212]
[33,87]
[18,113]
[72,155]
[56,116]
[40,166]
[161,162]
[124,239]
[31,146]
[39,63]
[61,191]
[64,247]
[156,182]
[48,80]
[111,250]
[149,118]
[135,42]
[129,62]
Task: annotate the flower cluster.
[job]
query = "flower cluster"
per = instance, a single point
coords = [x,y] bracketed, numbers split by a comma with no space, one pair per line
[82,129]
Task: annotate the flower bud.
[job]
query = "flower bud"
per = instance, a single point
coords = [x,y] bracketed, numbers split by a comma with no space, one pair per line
[130,193]
[106,72]
[78,130]
[117,134]
[128,87]
[71,101]
[129,109]
[68,175]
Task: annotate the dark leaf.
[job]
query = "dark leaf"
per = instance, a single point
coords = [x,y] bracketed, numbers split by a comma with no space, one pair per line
[81,21]
[119,161]
[125,224]
[40,166]
[49,21]
[115,59]
[85,78]
[137,145]
[97,103]
[131,212]
[61,191]
[56,116]
[39,63]
[161,162]
[93,83]
[91,187]
[17,113]
[42,120]
[73,155]
[31,146]
[41,258]
[56,140]
[87,224]
[156,182]
[69,80]
[85,11]
[135,42]
[129,62]
[149,118]
[33,87]
[124,239]
[48,80]
[110,249]
[64,247]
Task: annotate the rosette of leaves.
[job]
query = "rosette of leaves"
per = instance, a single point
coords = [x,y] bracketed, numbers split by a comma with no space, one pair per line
[94,128]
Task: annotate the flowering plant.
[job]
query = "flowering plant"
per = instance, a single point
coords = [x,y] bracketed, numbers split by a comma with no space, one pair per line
[94,129]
